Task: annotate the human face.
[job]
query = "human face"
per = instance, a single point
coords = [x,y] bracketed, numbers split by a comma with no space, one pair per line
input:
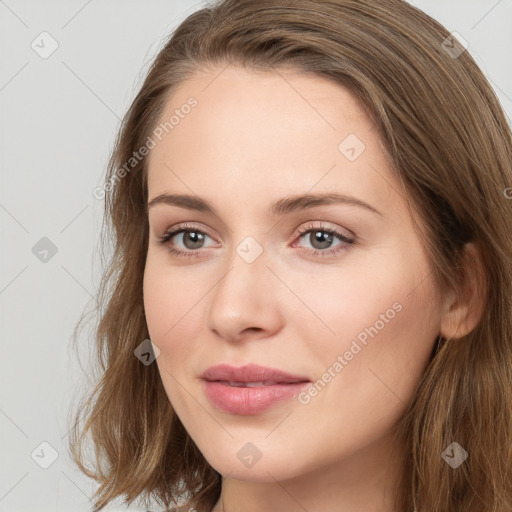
[358,320]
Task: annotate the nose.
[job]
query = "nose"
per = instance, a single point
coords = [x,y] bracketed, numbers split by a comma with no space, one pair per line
[244,302]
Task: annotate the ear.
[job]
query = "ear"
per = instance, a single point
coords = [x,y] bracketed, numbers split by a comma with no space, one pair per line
[463,311]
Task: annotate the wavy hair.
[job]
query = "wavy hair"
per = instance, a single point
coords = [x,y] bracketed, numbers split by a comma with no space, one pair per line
[451,146]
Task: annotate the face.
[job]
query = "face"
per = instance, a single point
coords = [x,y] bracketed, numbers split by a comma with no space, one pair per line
[337,293]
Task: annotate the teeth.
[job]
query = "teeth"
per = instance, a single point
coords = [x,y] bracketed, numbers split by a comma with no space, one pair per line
[252,384]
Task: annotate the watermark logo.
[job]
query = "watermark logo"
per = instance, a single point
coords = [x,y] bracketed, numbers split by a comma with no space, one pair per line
[147,352]
[249,249]
[351,147]
[44,45]
[249,455]
[44,250]
[454,45]
[44,455]
[454,455]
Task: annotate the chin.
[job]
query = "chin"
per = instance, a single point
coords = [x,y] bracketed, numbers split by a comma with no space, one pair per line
[274,463]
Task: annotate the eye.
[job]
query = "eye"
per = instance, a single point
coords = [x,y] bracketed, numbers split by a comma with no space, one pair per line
[321,239]
[192,238]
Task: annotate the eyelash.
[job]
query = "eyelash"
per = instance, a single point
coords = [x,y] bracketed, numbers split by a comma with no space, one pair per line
[186,228]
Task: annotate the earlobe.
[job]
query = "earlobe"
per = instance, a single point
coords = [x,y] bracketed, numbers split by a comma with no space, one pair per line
[463,311]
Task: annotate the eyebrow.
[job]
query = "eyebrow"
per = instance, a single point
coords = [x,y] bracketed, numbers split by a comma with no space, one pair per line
[279,208]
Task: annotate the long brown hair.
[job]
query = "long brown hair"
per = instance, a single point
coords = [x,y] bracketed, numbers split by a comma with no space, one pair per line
[451,146]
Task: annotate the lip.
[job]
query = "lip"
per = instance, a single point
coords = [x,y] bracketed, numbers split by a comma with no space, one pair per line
[250,373]
[279,386]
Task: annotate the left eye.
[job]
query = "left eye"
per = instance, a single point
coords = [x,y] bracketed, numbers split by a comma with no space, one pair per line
[324,237]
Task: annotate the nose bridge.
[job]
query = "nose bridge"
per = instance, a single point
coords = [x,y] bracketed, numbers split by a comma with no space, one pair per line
[240,299]
[245,269]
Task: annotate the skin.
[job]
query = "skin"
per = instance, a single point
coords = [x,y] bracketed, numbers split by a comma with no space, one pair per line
[252,139]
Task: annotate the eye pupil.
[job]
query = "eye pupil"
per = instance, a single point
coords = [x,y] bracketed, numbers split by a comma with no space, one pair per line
[197,239]
[324,238]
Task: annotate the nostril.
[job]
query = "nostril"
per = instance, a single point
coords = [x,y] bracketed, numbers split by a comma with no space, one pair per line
[255,329]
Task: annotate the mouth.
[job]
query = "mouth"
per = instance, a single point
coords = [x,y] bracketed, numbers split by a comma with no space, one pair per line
[251,375]
[250,384]
[250,389]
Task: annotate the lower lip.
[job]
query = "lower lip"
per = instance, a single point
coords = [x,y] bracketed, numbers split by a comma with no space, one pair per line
[245,400]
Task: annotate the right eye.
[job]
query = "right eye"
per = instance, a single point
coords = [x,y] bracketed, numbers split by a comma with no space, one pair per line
[190,234]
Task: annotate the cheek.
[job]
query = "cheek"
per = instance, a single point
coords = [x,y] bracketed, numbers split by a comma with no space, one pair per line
[168,295]
[387,287]
[173,306]
[384,319]
[158,300]
[169,312]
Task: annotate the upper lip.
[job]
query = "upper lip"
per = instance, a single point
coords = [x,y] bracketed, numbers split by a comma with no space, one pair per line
[249,373]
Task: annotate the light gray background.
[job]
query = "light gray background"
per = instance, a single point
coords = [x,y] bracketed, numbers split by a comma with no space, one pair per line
[58,120]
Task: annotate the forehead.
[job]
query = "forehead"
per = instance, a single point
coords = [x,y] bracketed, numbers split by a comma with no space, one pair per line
[262,131]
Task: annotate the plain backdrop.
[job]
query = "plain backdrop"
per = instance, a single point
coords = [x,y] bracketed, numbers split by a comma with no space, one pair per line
[59,116]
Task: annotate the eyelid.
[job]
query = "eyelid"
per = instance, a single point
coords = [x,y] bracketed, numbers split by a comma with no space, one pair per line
[299,231]
[311,226]
[184,227]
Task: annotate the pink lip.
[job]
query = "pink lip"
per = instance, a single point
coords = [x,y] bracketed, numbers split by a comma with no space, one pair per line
[249,400]
[249,373]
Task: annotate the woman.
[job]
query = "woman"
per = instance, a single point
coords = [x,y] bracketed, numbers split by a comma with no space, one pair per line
[309,303]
